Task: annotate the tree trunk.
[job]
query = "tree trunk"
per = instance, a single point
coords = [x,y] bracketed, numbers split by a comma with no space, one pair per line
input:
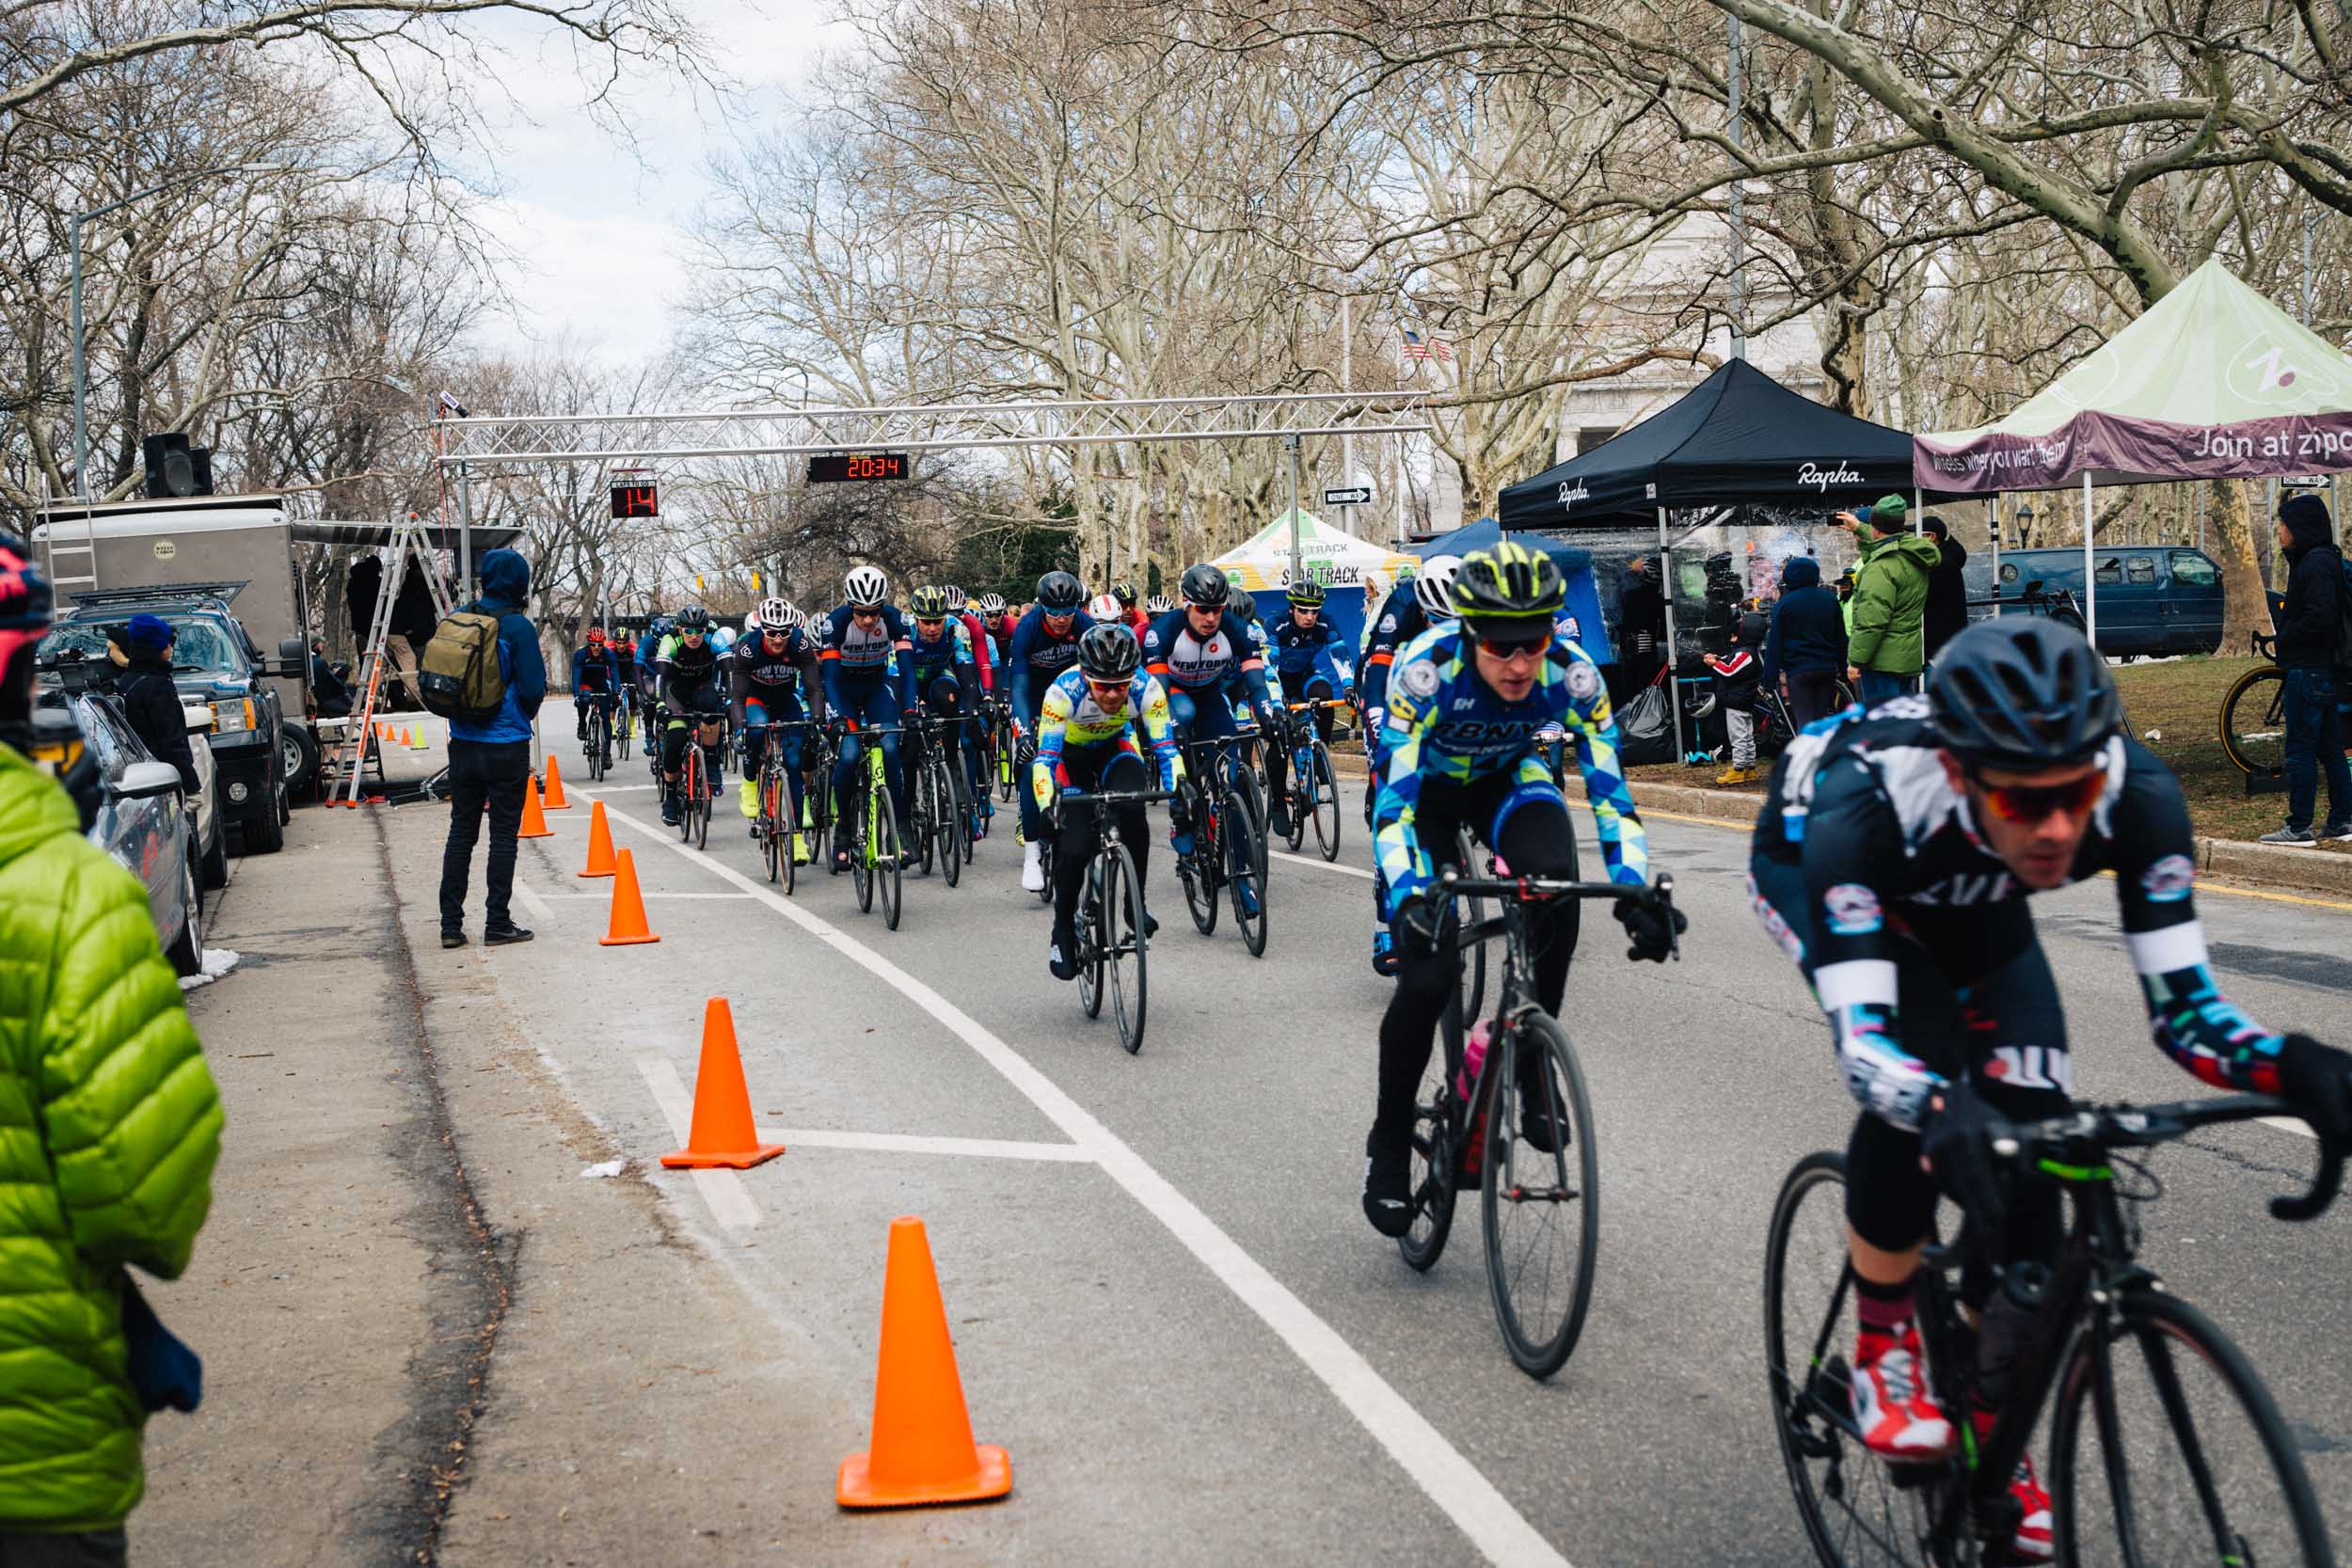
[2244,612]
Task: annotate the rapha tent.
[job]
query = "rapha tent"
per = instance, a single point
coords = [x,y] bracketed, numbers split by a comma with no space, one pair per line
[2212,382]
[1584,606]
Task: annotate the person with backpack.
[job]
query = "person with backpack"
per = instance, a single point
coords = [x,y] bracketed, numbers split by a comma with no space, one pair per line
[2312,648]
[484,672]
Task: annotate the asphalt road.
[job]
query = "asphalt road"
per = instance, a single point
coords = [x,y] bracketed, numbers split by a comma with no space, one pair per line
[1167,1304]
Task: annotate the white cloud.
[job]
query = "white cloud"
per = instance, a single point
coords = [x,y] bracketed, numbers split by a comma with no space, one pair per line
[606,280]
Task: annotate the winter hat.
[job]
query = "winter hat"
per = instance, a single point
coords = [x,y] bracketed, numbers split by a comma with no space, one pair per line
[1886,513]
[148,633]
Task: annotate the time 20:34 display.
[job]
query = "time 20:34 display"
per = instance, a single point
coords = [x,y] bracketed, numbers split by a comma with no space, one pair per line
[856,467]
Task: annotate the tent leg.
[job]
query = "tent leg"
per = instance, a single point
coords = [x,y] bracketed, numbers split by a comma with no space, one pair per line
[1992,531]
[1666,585]
[2091,585]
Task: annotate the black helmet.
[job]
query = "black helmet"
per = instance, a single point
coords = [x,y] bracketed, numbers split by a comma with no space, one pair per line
[1124,591]
[1059,593]
[1509,583]
[929,604]
[1307,592]
[1204,585]
[1109,652]
[2022,692]
[1242,607]
[694,618]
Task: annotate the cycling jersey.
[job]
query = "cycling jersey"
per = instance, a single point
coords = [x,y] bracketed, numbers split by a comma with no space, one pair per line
[983,656]
[773,678]
[1399,622]
[1071,720]
[1188,662]
[857,660]
[1036,657]
[688,676]
[1303,653]
[594,669]
[1864,842]
[649,662]
[1444,723]
[950,656]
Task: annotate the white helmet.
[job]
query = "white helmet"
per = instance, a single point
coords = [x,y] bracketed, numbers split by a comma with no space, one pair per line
[1434,587]
[776,615]
[866,586]
[1104,608]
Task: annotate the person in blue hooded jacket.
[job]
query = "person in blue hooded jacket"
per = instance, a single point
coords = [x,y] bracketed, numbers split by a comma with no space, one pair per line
[1805,642]
[489,764]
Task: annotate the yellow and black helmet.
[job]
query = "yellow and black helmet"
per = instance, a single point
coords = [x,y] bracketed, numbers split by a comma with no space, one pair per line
[1509,583]
[928,603]
[1307,593]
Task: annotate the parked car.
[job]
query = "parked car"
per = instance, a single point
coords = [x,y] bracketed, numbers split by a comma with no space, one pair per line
[2152,598]
[145,824]
[211,834]
[214,665]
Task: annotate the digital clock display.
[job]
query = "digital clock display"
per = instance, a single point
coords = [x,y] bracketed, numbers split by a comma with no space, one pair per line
[851,466]
[635,499]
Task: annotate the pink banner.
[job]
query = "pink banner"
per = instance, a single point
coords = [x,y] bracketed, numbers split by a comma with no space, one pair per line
[2150,450]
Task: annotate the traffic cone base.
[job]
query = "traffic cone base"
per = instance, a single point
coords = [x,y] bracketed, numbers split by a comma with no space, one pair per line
[628,927]
[601,862]
[722,1134]
[553,800]
[534,823]
[922,1449]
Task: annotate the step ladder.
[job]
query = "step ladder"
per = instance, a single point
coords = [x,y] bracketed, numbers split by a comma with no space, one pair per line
[408,541]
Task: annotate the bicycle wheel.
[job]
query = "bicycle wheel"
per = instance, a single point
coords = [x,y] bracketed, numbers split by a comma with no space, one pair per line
[2165,1447]
[2253,721]
[1094,935]
[923,810]
[599,732]
[699,802]
[1199,874]
[861,845]
[1250,882]
[1125,947]
[1301,782]
[1434,1156]
[1045,863]
[1471,980]
[620,742]
[689,786]
[887,854]
[1854,1511]
[947,826]
[770,824]
[1541,1208]
[1326,787]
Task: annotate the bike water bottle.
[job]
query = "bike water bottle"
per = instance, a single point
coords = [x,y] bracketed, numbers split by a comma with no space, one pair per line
[1474,1057]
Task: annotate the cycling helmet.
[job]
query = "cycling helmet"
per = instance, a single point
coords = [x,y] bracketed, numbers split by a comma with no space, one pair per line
[866,588]
[929,604]
[1109,652]
[776,615]
[1160,605]
[596,637]
[1204,585]
[1124,591]
[1508,583]
[721,639]
[694,618]
[2022,692]
[1242,607]
[956,600]
[1307,593]
[1060,594]
[661,626]
[992,605]
[1104,607]
[1434,587]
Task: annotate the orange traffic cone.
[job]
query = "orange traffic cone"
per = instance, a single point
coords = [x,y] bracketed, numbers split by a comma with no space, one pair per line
[600,843]
[535,821]
[722,1133]
[923,1450]
[628,926]
[555,801]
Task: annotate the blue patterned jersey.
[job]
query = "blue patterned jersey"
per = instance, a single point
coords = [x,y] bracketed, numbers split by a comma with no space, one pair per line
[1071,717]
[1445,724]
[927,660]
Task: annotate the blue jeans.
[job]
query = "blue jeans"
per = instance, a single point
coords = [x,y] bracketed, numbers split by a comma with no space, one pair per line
[2315,742]
[1877,687]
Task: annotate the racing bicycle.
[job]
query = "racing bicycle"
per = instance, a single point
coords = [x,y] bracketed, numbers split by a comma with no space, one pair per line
[1113,947]
[1314,788]
[938,815]
[875,856]
[776,827]
[599,743]
[697,775]
[1228,847]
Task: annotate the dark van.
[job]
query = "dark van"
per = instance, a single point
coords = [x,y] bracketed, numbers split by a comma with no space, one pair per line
[2153,599]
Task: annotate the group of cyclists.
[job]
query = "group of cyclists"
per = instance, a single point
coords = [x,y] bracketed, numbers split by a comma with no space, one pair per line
[1892,862]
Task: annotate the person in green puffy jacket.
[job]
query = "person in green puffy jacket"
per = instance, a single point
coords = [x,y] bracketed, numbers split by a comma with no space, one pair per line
[109,1129]
[1886,637]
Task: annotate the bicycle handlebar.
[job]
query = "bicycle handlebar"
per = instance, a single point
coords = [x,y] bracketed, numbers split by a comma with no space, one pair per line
[1530,888]
[1102,799]
[2093,1129]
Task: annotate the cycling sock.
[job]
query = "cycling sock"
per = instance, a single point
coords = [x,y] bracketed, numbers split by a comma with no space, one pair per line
[1884,1312]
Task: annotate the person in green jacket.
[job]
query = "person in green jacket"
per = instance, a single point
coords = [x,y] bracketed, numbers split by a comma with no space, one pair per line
[1886,637]
[109,1128]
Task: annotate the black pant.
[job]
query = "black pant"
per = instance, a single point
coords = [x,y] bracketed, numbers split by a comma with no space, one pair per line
[1080,826]
[1539,840]
[489,776]
[96,1548]
[1812,696]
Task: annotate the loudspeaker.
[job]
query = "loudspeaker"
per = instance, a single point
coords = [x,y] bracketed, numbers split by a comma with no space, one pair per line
[174,468]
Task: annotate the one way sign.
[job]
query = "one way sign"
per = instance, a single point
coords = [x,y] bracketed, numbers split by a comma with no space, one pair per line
[1352,495]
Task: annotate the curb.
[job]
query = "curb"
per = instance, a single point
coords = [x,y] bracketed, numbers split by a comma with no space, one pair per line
[2263,866]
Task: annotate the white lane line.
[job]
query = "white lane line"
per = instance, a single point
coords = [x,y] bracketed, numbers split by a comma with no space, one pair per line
[902,1142]
[532,901]
[2287,1124]
[1320,863]
[607,898]
[1449,1481]
[730,1202]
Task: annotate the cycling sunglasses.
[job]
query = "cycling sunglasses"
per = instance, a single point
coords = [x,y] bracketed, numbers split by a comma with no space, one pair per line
[1515,647]
[2037,802]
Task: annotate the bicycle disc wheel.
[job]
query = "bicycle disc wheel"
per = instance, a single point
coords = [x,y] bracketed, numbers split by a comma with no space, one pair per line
[1541,1207]
[1250,840]
[2165,1447]
[2253,721]
[1326,785]
[1124,948]
[1094,934]
[886,858]
[1855,1514]
[1434,1158]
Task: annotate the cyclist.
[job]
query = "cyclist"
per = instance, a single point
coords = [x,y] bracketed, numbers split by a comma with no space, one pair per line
[944,673]
[647,663]
[688,682]
[1465,704]
[1433,605]
[624,650]
[1130,611]
[998,625]
[1090,735]
[1892,862]
[983,656]
[1042,645]
[1105,610]
[1201,653]
[1159,605]
[771,666]
[596,682]
[861,681]
[1307,660]
[1404,616]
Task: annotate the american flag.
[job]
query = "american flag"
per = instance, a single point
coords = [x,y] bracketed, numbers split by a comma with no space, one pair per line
[1416,348]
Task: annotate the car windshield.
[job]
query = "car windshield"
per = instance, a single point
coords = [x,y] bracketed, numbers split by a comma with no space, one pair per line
[199,642]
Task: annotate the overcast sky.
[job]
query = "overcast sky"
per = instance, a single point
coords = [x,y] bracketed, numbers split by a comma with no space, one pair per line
[597,224]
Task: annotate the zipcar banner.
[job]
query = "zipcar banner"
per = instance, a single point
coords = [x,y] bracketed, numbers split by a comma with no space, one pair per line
[2147,448]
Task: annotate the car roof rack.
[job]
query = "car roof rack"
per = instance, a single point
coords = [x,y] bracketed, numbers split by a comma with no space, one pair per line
[157,592]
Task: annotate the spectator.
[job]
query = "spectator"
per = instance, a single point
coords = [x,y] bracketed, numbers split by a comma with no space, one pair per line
[1845,599]
[413,625]
[109,1128]
[1738,677]
[1804,649]
[1641,624]
[2307,626]
[489,764]
[141,652]
[1948,590]
[326,686]
[1886,641]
